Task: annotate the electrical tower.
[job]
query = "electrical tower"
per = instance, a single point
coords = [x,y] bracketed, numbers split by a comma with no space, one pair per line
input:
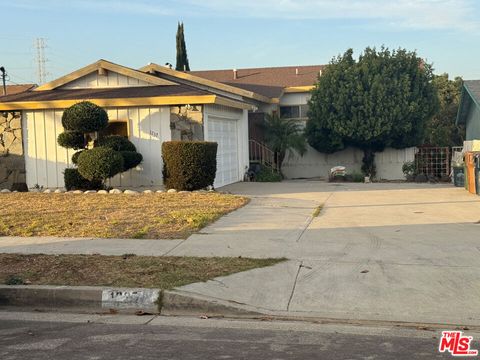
[40,45]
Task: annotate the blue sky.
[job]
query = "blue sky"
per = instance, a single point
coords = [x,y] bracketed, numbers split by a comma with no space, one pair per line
[235,34]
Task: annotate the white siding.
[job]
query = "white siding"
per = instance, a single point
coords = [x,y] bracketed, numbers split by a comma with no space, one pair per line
[229,128]
[45,160]
[111,79]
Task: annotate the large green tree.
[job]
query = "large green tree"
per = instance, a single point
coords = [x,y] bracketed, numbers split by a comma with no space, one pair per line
[182,58]
[382,99]
[441,129]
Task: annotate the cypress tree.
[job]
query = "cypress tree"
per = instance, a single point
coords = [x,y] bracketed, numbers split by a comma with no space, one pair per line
[182,58]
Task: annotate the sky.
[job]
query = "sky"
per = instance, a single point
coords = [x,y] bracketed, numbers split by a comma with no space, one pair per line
[222,34]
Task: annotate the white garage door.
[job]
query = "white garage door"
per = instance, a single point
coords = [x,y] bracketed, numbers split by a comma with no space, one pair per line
[224,132]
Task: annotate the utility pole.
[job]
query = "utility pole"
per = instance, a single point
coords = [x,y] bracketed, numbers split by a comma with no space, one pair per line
[40,45]
[4,78]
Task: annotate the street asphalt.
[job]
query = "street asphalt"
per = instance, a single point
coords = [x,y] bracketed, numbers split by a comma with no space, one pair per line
[38,336]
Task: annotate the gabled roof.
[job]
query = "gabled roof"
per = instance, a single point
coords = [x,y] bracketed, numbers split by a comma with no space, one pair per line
[470,97]
[190,78]
[15,89]
[267,80]
[99,66]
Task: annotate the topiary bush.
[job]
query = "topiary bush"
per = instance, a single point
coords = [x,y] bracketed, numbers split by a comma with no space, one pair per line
[85,117]
[75,157]
[75,181]
[99,163]
[117,143]
[189,165]
[131,159]
[71,140]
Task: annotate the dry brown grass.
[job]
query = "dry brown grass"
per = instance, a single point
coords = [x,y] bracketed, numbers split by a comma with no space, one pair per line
[144,216]
[122,271]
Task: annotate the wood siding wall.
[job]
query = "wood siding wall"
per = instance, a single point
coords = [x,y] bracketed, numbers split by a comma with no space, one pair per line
[111,79]
[45,160]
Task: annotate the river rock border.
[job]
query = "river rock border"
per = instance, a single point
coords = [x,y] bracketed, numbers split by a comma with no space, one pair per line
[112,191]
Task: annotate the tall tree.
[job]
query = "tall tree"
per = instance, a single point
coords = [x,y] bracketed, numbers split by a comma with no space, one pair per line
[382,99]
[182,58]
[441,129]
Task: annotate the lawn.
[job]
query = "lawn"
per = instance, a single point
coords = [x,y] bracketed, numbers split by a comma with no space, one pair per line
[144,216]
[120,271]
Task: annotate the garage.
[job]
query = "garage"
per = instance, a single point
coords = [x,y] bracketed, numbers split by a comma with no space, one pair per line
[222,126]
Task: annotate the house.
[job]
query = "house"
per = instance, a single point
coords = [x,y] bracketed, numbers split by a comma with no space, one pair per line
[154,104]
[148,108]
[289,89]
[469,109]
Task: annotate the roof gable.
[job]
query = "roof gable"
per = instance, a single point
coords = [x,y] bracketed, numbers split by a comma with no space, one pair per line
[104,74]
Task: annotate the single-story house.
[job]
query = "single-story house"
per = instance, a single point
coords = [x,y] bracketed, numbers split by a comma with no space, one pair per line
[155,103]
[469,109]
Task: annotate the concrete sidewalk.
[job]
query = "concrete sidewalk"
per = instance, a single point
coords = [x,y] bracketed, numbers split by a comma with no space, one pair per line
[389,252]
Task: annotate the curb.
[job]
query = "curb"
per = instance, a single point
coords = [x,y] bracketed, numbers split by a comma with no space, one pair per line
[125,300]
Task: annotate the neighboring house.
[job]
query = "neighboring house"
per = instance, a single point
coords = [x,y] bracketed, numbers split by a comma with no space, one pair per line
[469,109]
[156,104]
[15,89]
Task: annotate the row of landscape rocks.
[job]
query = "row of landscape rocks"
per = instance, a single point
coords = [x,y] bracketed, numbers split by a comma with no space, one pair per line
[112,191]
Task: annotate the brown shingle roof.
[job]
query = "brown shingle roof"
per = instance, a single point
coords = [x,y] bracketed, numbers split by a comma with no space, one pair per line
[15,89]
[266,81]
[104,93]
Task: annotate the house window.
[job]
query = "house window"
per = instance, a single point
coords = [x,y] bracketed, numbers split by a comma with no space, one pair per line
[294,111]
[116,128]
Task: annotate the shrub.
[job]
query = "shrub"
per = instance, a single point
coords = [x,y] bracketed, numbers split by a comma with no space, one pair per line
[130,159]
[75,157]
[189,165]
[71,140]
[84,117]
[117,143]
[75,181]
[267,175]
[100,163]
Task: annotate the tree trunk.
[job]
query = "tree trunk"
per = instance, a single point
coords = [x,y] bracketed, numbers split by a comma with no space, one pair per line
[368,167]
[279,157]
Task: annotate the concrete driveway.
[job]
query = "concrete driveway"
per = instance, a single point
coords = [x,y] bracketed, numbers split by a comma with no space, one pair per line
[389,252]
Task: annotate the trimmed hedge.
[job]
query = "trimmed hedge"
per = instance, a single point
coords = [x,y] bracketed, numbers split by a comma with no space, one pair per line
[75,181]
[71,140]
[75,157]
[117,143]
[130,159]
[100,163]
[189,165]
[84,117]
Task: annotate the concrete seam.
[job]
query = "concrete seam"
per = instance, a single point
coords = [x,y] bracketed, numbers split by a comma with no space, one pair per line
[305,227]
[176,246]
[294,285]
